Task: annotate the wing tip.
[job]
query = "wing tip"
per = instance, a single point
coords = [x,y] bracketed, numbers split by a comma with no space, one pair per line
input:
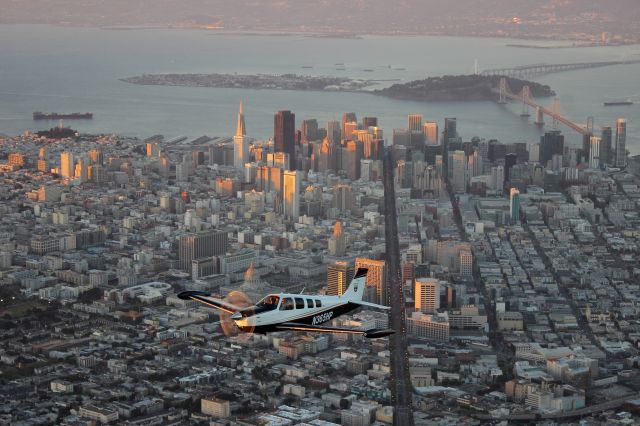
[188,294]
[377,333]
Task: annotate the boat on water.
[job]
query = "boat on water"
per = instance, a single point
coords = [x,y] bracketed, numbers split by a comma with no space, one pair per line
[617,103]
[62,116]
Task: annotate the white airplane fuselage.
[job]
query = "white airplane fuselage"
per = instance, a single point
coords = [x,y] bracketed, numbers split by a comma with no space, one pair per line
[297,308]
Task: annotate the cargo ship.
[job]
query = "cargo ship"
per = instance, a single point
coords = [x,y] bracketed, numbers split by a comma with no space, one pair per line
[616,103]
[57,116]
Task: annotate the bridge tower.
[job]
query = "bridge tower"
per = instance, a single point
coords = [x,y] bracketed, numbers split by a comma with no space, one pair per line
[555,110]
[525,94]
[590,126]
[539,117]
[503,91]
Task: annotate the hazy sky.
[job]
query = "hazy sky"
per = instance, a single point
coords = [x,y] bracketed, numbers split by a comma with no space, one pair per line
[357,15]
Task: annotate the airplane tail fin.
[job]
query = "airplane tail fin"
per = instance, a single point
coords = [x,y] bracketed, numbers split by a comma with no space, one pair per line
[355,291]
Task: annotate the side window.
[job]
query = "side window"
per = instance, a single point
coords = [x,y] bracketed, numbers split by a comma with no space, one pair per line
[299,303]
[310,303]
[318,303]
[287,304]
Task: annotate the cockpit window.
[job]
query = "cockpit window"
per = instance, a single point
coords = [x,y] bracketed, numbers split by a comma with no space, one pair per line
[269,303]
[287,304]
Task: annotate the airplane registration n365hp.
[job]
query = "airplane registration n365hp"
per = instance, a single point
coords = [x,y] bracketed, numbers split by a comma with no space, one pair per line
[300,312]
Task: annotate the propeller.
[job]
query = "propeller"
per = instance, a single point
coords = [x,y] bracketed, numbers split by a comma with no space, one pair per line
[228,325]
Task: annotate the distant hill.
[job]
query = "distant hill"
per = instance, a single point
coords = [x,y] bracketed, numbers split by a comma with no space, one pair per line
[424,16]
[460,88]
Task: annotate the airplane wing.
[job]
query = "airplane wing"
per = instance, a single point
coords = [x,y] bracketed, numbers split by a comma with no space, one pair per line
[204,298]
[371,334]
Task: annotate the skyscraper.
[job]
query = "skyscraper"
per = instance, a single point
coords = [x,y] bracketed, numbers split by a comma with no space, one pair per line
[309,130]
[67,165]
[334,132]
[458,167]
[203,244]
[450,132]
[337,243]
[430,130]
[284,125]
[376,278]
[348,117]
[427,295]
[605,145]
[339,275]
[415,122]
[514,205]
[291,195]
[621,142]
[369,122]
[551,143]
[240,142]
[594,152]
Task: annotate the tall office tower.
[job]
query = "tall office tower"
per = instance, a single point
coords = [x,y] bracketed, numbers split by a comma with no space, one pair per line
[348,117]
[497,178]
[466,263]
[514,205]
[334,132]
[67,165]
[82,169]
[458,167]
[96,156]
[326,156]
[621,142]
[449,132]
[202,244]
[339,275]
[415,122]
[42,163]
[240,142]
[430,130]
[342,198]
[352,154]
[280,160]
[337,242]
[605,146]
[291,195]
[284,129]
[427,295]
[348,130]
[401,137]
[551,143]
[510,160]
[376,278]
[369,122]
[594,152]
[309,130]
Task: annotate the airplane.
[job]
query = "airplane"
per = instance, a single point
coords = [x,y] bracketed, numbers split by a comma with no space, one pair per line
[299,312]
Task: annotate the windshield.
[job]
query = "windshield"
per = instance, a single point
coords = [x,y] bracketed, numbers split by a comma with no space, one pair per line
[269,303]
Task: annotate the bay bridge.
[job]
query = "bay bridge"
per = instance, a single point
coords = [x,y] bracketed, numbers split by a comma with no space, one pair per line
[505,94]
[533,70]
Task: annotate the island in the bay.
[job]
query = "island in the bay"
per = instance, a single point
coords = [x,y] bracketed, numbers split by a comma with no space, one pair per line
[460,88]
[254,81]
[432,89]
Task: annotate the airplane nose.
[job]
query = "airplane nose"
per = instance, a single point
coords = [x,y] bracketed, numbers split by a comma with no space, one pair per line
[236,316]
